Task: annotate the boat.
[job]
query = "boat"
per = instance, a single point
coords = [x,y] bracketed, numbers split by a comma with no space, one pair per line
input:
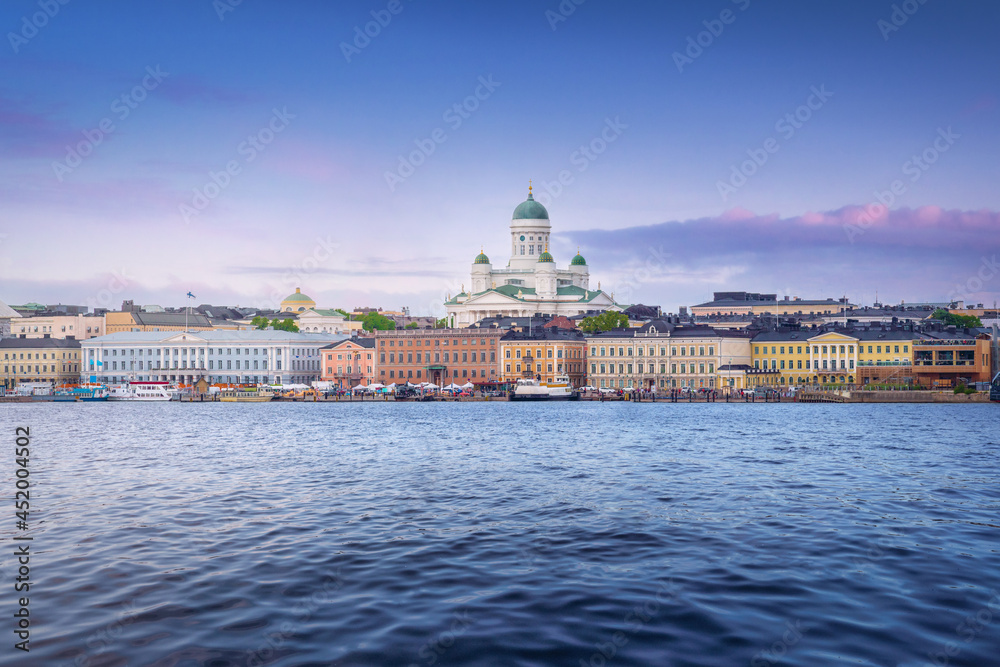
[995,389]
[246,395]
[140,391]
[528,389]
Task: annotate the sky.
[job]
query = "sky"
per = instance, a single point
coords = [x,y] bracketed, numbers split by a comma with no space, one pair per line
[366,151]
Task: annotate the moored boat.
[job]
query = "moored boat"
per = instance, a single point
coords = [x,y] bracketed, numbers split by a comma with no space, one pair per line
[140,391]
[246,395]
[559,389]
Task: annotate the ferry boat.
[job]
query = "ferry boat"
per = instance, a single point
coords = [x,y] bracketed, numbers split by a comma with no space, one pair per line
[560,389]
[246,395]
[995,389]
[140,391]
[84,393]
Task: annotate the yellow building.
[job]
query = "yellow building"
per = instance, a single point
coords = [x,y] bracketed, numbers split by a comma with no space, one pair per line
[119,321]
[543,354]
[296,303]
[53,360]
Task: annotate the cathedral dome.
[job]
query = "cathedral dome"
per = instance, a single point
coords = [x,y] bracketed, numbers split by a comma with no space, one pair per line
[530,210]
[481,258]
[297,303]
[545,257]
[578,260]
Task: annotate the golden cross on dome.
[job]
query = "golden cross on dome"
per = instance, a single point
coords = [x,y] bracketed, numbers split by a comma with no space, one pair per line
[529,186]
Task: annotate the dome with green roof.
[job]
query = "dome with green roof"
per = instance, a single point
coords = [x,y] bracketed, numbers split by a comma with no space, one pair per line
[481,258]
[545,257]
[297,302]
[578,260]
[530,210]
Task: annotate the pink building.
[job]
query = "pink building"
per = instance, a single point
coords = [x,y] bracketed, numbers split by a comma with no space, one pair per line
[349,362]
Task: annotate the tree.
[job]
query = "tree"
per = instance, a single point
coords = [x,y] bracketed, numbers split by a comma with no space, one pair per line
[606,321]
[441,324]
[412,325]
[373,321]
[950,319]
[285,325]
[343,312]
[259,322]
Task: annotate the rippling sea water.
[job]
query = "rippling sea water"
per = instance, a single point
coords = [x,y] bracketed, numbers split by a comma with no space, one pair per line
[509,534]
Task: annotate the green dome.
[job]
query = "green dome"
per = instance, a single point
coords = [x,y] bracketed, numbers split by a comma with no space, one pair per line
[530,210]
[545,257]
[481,258]
[578,260]
[298,296]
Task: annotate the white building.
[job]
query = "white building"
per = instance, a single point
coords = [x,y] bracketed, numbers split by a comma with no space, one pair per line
[222,356]
[531,283]
[325,320]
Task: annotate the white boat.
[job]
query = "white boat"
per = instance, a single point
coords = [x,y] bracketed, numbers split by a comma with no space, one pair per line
[559,389]
[140,391]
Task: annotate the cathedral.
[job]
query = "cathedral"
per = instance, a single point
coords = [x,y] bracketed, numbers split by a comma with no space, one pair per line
[530,283]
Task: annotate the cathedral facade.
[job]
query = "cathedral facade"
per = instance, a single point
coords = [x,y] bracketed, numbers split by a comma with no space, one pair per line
[530,283]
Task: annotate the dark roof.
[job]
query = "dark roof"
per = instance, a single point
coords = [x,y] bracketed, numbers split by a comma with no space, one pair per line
[65,343]
[195,319]
[544,334]
[363,342]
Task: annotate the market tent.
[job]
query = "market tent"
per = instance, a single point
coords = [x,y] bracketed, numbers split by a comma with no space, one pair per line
[360,387]
[431,385]
[468,385]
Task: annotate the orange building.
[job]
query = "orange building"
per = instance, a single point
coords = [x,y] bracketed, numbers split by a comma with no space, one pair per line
[441,356]
[348,363]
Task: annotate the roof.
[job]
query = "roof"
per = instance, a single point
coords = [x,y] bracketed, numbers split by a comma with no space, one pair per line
[544,334]
[545,257]
[481,258]
[362,342]
[326,312]
[6,311]
[298,296]
[258,336]
[194,319]
[529,209]
[578,260]
[20,343]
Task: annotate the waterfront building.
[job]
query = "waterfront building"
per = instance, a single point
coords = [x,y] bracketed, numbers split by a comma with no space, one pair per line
[441,356]
[544,353]
[219,356]
[324,320]
[348,363]
[297,302]
[138,321]
[661,355]
[530,283]
[945,356]
[754,303]
[55,360]
[57,325]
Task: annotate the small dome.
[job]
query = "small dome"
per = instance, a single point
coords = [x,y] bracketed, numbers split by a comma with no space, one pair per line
[298,296]
[578,260]
[481,258]
[545,257]
[530,210]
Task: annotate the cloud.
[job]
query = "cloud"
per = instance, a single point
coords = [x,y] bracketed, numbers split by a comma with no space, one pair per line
[912,254]
[29,133]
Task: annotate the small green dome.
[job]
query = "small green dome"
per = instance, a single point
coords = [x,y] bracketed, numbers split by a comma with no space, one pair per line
[578,260]
[530,210]
[298,296]
[481,258]
[545,257]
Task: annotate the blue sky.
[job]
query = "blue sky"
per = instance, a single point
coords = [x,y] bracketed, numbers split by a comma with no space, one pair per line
[655,211]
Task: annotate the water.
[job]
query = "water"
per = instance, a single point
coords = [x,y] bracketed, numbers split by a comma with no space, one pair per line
[514,534]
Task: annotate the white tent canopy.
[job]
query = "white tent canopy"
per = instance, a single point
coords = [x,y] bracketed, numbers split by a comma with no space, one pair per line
[468,385]
[361,387]
[431,385]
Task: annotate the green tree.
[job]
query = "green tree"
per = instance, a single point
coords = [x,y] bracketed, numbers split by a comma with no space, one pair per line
[412,325]
[374,321]
[442,323]
[259,322]
[343,312]
[285,325]
[950,319]
[606,321]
